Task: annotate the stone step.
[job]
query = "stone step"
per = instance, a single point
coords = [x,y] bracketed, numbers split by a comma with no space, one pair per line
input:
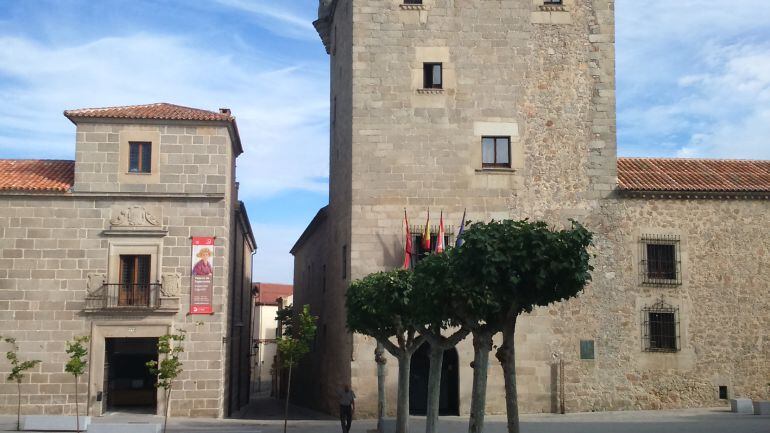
[53,423]
[124,427]
[762,407]
[741,405]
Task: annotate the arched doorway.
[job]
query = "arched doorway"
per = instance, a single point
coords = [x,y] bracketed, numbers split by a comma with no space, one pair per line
[418,382]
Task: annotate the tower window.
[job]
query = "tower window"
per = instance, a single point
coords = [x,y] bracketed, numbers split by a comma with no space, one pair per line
[412,2]
[586,349]
[552,2]
[432,76]
[344,262]
[661,328]
[496,152]
[139,157]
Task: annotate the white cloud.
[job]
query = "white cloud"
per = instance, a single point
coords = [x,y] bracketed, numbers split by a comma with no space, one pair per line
[282,111]
[284,20]
[693,81]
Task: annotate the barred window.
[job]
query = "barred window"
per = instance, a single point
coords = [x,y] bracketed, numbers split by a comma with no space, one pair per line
[417,248]
[660,328]
[412,2]
[552,2]
[660,260]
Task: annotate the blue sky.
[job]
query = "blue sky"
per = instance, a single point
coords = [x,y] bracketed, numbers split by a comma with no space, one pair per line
[693,81]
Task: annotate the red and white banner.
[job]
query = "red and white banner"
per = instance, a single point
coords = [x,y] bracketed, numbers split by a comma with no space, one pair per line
[202,276]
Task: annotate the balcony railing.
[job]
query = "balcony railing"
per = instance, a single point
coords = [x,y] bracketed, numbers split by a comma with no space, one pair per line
[124,297]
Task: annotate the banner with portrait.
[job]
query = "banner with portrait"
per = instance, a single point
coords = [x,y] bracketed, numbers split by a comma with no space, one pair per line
[202,276]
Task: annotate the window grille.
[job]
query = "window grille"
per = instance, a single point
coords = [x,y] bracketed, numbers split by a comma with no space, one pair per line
[416,232]
[587,349]
[660,260]
[660,328]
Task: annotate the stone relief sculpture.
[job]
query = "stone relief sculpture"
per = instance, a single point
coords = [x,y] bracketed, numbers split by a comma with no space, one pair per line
[96,282]
[170,284]
[134,216]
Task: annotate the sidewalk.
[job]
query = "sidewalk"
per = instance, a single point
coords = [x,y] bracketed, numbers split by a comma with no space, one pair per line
[715,420]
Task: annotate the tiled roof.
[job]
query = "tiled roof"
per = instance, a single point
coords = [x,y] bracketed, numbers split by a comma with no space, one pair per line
[268,293]
[697,175]
[42,175]
[159,111]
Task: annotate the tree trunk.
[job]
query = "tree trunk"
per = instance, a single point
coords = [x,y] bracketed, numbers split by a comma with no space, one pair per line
[434,387]
[77,408]
[482,345]
[286,406]
[507,356]
[18,409]
[402,408]
[379,357]
[168,406]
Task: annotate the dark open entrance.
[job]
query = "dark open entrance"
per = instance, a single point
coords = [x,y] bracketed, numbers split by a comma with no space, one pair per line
[128,384]
[418,383]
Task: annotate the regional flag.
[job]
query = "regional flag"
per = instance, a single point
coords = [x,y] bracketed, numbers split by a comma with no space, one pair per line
[459,241]
[426,235]
[408,245]
[440,237]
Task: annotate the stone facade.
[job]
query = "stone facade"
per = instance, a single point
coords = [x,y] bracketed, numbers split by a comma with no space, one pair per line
[60,248]
[544,77]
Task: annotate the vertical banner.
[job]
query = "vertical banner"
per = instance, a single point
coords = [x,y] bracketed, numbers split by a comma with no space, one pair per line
[202,276]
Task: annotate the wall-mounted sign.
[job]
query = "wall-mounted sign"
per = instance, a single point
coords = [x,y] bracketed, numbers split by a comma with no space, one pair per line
[202,276]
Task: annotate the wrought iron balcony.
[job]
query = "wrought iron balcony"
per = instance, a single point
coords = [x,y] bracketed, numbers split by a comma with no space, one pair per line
[124,297]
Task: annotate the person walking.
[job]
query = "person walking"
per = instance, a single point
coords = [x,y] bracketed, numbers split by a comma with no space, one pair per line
[347,407]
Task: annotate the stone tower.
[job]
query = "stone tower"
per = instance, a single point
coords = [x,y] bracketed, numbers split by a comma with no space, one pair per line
[505,108]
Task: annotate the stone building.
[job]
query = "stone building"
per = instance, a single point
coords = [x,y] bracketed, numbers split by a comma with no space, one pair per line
[103,246]
[267,300]
[506,109]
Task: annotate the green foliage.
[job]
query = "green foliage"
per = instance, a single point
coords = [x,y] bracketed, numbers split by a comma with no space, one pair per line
[18,367]
[509,267]
[170,366]
[436,294]
[298,331]
[77,351]
[381,305]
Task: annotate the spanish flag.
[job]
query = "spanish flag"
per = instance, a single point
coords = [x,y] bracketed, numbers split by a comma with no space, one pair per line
[408,245]
[440,237]
[426,235]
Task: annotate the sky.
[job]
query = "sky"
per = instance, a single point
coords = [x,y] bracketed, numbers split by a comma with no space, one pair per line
[693,80]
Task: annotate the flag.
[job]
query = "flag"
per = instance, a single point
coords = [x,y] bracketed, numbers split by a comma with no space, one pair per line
[426,235]
[440,237]
[408,245]
[459,240]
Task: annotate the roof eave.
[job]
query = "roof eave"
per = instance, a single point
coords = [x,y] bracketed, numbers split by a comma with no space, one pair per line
[319,218]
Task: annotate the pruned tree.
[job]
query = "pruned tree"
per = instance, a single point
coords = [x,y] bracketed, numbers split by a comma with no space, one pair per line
[298,329]
[381,305]
[435,293]
[169,367]
[512,267]
[76,366]
[18,372]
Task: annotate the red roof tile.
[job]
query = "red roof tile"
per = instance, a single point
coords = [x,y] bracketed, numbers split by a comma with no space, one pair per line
[268,293]
[36,175]
[697,175]
[159,111]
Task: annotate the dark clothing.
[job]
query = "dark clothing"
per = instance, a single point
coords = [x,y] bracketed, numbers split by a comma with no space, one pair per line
[346,417]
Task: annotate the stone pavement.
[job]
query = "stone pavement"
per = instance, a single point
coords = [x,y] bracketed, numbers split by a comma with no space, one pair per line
[716,420]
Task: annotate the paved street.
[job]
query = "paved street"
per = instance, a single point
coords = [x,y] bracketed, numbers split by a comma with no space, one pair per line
[716,420]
